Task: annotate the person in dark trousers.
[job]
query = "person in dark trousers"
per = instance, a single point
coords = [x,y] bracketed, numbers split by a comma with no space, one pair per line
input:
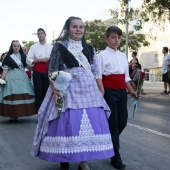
[165,77]
[114,72]
[37,57]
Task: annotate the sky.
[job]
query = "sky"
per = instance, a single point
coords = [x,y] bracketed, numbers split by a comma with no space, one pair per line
[20,19]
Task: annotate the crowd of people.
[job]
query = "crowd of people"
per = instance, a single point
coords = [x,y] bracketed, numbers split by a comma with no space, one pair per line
[94,111]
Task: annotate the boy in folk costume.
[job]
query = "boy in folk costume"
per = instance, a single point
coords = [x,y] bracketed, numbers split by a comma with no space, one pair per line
[114,72]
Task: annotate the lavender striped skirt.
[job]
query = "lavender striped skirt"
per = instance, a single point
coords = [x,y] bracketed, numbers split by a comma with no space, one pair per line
[79,135]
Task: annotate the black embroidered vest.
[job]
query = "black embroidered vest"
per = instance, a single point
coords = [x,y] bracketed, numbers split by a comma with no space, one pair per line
[69,60]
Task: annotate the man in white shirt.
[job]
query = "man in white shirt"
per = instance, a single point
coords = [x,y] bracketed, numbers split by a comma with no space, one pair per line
[165,77]
[37,57]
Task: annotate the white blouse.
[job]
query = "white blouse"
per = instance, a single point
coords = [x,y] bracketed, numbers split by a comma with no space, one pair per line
[77,44]
[113,62]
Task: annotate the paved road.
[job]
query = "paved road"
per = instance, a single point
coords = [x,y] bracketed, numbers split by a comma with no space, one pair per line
[154,85]
[145,143]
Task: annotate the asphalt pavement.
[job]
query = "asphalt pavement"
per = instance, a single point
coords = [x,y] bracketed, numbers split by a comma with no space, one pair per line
[152,91]
[145,142]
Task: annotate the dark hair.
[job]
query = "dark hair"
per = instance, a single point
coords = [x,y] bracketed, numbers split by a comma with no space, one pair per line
[113,29]
[68,21]
[3,54]
[134,53]
[41,29]
[11,50]
[165,49]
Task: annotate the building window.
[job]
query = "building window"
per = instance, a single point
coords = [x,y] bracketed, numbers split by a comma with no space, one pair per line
[156,58]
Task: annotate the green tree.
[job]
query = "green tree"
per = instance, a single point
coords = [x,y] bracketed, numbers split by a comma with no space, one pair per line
[52,42]
[95,36]
[157,11]
[135,41]
[28,44]
[158,75]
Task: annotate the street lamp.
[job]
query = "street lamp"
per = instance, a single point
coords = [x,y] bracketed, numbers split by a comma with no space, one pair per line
[123,15]
[127,30]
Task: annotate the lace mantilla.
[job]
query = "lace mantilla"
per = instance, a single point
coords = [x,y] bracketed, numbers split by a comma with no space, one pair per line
[87,141]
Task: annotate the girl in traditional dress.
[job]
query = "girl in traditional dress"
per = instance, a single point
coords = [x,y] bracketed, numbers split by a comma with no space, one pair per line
[1,60]
[17,96]
[81,133]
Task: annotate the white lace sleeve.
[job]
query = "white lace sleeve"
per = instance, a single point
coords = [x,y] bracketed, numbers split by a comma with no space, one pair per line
[100,66]
[94,66]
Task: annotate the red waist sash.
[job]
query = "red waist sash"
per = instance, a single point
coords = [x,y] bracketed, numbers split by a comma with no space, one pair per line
[41,67]
[28,74]
[114,81]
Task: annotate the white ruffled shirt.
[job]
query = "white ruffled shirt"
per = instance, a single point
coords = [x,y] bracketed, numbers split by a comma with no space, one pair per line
[77,44]
[113,62]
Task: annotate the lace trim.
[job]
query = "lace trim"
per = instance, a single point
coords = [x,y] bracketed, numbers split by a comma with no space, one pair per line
[87,141]
[77,44]
[76,144]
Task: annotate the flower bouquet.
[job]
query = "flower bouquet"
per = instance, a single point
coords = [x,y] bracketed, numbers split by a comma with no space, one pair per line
[60,80]
[2,82]
[138,90]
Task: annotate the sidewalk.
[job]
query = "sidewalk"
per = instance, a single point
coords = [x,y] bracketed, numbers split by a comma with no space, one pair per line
[152,91]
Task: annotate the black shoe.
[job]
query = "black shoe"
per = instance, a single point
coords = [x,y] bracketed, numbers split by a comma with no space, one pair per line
[12,120]
[64,165]
[164,92]
[116,161]
[79,168]
[17,120]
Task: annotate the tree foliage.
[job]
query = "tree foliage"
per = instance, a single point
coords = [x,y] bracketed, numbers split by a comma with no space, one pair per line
[135,41]
[95,36]
[157,11]
[28,44]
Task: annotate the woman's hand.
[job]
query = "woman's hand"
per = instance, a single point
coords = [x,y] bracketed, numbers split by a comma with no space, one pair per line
[100,86]
[57,96]
[102,92]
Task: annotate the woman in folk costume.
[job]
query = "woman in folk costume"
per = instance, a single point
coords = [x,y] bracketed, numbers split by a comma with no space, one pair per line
[81,133]
[17,95]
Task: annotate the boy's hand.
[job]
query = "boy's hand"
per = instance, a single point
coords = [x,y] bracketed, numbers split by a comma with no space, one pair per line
[134,94]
